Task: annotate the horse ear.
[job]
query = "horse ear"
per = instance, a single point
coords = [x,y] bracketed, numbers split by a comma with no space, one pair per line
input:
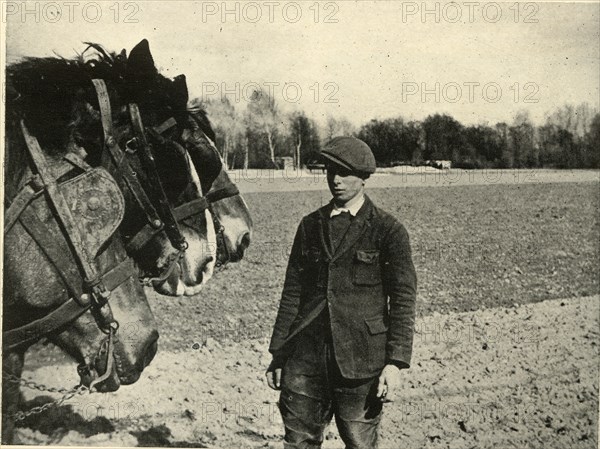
[140,60]
[180,91]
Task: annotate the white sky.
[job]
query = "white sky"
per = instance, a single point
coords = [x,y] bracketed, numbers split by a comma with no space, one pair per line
[373,54]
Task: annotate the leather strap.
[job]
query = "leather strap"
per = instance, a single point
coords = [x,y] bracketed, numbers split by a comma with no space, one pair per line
[57,199]
[167,124]
[77,161]
[105,110]
[19,203]
[220,194]
[154,184]
[119,274]
[114,153]
[32,332]
[65,313]
[55,249]
[182,212]
[189,209]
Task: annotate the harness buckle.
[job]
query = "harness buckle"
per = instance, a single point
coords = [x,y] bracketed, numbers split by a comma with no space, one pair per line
[100,294]
[131,146]
[183,247]
[36,183]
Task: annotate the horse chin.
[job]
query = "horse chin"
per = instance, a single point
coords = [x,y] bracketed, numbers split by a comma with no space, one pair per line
[173,285]
[191,290]
[234,254]
[181,288]
[180,283]
[111,384]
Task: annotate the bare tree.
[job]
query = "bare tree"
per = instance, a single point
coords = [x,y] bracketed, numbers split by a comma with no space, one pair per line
[305,137]
[338,127]
[263,115]
[574,119]
[228,125]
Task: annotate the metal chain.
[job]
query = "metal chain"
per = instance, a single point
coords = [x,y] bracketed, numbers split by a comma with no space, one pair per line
[66,394]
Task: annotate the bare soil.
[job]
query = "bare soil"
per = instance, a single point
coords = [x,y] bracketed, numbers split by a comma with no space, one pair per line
[503,377]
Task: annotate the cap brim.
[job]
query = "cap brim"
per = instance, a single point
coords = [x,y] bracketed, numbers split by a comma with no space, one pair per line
[336,161]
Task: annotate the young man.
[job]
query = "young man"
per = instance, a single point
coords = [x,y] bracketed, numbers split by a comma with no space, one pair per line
[345,324]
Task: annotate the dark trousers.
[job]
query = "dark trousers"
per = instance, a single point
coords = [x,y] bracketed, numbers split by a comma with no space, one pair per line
[313,391]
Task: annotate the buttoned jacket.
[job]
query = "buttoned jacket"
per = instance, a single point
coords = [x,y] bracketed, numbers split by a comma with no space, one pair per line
[368,285]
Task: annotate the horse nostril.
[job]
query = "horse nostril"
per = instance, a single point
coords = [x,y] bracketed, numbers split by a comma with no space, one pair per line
[245,242]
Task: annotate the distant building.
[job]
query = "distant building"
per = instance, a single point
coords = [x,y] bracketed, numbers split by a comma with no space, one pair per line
[441,165]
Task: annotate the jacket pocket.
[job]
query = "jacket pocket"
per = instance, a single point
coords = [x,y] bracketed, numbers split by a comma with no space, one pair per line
[376,342]
[366,269]
[376,325]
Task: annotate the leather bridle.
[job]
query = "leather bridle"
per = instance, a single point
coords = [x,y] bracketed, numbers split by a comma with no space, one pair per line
[88,289]
[214,196]
[180,213]
[151,198]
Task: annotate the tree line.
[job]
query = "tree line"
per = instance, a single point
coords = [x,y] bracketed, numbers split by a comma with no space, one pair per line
[262,134]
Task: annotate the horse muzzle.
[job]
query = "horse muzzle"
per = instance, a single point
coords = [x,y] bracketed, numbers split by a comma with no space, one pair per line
[112,368]
[237,253]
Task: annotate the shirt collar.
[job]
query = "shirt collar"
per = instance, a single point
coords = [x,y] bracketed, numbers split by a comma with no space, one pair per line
[353,208]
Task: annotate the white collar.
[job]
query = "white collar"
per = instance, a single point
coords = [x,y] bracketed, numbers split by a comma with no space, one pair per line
[353,208]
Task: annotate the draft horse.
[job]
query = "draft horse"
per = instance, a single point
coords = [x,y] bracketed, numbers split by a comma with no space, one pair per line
[67,276]
[164,216]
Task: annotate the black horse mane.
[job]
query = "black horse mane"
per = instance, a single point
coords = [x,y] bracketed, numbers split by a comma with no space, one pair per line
[47,91]
[205,155]
[200,117]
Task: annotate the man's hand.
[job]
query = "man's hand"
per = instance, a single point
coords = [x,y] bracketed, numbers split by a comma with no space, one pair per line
[274,376]
[389,381]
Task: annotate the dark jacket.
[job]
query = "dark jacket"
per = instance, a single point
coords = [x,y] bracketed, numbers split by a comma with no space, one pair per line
[368,285]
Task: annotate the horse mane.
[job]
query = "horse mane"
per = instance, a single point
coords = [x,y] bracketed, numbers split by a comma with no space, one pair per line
[210,164]
[45,92]
[57,99]
[200,116]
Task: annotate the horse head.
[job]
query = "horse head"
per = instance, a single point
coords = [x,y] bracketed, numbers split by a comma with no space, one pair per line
[232,218]
[184,265]
[66,275]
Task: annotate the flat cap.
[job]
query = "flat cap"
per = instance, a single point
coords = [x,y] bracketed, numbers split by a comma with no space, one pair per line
[350,153]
